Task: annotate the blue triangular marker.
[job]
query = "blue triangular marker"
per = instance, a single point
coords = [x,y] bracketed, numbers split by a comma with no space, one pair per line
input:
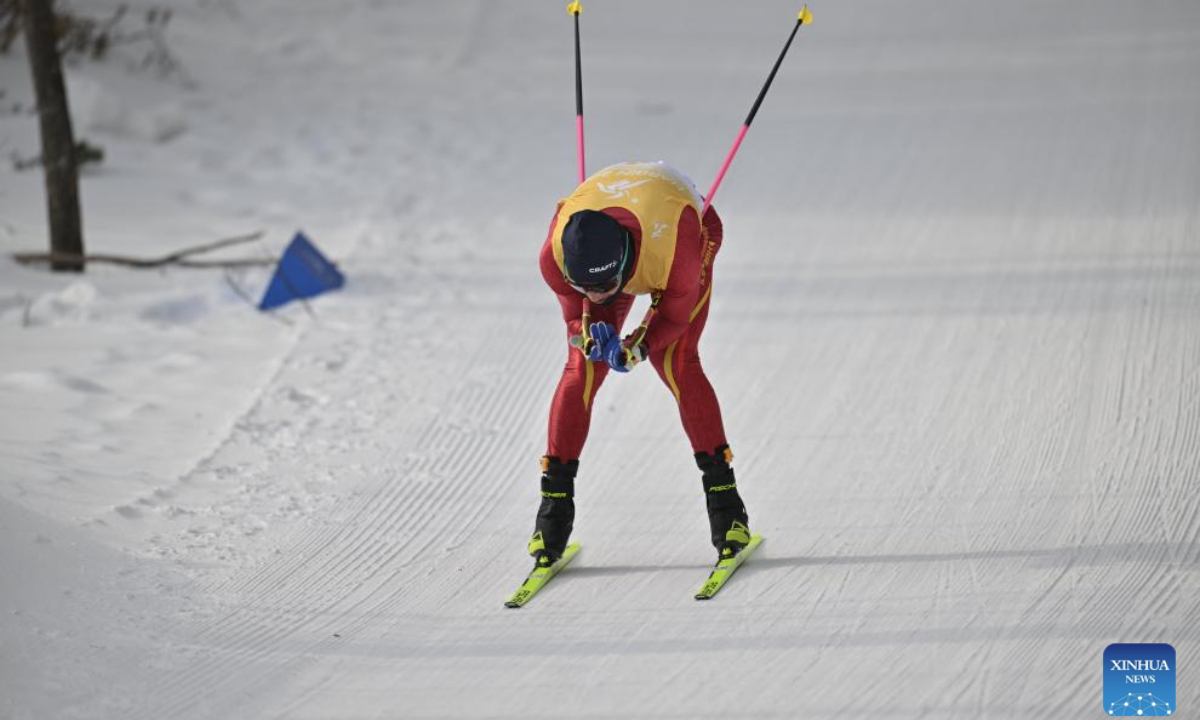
[302,273]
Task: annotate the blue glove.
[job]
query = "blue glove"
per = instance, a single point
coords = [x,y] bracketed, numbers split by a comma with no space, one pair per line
[610,347]
[603,336]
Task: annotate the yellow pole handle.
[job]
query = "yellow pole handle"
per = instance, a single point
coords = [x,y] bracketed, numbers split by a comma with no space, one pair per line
[575,8]
[585,322]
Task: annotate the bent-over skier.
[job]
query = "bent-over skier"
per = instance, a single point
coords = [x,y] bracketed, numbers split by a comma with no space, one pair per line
[634,229]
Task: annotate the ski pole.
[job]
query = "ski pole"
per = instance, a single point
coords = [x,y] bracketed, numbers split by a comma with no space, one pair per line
[805,18]
[575,8]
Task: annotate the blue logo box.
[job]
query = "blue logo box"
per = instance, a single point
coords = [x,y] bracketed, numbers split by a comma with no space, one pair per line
[1139,680]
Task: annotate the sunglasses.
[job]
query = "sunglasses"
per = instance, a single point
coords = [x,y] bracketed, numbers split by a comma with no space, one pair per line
[597,289]
[607,285]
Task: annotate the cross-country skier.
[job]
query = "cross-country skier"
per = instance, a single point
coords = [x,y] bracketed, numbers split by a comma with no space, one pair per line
[634,229]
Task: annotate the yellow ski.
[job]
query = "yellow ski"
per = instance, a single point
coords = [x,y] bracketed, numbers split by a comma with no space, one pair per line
[541,575]
[725,568]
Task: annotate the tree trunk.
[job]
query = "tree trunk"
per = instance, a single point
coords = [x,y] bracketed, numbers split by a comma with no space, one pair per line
[58,142]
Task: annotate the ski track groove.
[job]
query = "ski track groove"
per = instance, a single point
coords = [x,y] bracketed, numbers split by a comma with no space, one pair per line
[248,637]
[498,400]
[298,556]
[247,632]
[355,553]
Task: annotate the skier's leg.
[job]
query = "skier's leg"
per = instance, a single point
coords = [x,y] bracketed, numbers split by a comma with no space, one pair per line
[680,369]
[571,409]
[570,420]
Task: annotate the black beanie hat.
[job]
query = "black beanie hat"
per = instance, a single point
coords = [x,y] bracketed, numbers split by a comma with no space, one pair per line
[593,246]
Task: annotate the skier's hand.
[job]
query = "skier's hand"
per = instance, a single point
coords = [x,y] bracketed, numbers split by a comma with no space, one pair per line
[623,358]
[589,347]
[604,336]
[619,356]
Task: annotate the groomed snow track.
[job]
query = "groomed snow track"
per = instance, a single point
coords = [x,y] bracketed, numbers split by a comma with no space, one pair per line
[953,332]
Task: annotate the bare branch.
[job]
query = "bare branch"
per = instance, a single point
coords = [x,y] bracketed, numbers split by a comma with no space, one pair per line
[178,258]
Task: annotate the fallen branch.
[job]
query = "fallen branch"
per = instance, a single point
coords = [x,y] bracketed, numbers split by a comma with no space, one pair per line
[178,258]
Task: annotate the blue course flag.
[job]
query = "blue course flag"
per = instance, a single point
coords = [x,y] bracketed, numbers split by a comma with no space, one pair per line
[302,273]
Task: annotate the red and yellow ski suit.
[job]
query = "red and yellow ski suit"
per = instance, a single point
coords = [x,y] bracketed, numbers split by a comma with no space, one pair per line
[673,258]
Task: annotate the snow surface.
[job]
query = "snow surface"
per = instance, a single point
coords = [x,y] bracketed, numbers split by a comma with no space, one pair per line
[954,335]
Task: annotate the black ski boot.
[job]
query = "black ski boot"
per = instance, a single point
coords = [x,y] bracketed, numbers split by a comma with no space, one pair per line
[556,516]
[727,517]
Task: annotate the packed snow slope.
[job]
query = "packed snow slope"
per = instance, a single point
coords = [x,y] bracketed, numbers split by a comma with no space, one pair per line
[953,333]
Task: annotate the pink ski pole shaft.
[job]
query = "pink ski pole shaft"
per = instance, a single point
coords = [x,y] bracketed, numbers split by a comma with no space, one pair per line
[805,18]
[575,8]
